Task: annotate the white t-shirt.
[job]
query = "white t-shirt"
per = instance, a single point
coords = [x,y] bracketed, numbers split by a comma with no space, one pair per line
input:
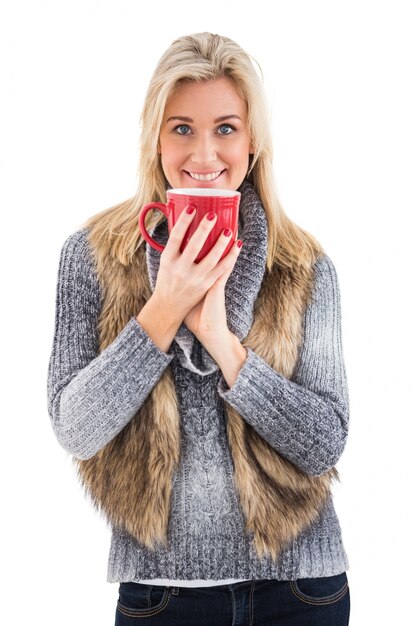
[192,583]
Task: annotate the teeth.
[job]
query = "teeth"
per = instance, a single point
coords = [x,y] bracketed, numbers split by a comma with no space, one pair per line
[205,176]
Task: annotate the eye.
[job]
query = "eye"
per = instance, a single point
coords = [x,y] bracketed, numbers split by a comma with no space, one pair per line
[181,126]
[227,126]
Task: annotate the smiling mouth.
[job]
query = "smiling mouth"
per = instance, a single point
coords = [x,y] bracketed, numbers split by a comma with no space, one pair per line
[205,177]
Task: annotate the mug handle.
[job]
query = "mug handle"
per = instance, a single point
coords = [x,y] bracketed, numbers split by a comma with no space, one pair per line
[147,207]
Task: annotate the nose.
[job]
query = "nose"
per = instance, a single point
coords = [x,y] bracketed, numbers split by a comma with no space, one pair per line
[204,150]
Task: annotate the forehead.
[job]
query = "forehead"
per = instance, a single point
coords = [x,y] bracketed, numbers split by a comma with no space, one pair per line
[211,97]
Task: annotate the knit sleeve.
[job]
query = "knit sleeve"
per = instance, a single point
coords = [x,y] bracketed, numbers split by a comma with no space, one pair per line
[306,419]
[92,396]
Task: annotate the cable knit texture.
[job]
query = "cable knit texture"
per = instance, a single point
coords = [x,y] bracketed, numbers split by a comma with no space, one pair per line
[92,396]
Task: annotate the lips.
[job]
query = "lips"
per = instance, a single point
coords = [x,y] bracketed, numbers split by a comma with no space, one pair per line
[201,178]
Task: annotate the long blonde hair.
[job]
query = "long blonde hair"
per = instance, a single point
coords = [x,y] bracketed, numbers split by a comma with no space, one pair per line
[202,57]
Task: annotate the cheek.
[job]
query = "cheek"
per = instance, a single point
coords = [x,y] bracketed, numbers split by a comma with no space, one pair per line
[240,154]
[169,150]
[169,158]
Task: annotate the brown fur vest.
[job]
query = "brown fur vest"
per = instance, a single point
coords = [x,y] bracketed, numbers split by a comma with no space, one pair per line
[130,479]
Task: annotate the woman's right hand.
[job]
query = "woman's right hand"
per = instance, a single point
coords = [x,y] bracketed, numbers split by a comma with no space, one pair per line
[181,283]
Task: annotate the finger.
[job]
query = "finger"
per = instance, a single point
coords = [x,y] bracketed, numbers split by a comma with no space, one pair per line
[225,267]
[212,258]
[178,231]
[197,239]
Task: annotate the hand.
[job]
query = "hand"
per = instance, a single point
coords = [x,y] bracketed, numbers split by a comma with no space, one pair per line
[181,283]
[207,319]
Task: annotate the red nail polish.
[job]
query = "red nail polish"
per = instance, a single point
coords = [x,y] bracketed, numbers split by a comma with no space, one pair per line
[239,243]
[211,215]
[190,209]
[227,232]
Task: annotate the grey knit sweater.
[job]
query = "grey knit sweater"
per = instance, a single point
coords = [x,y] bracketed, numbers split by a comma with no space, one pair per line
[92,396]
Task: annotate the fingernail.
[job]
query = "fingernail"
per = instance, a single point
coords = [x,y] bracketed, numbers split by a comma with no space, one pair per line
[190,210]
[211,215]
[239,243]
[227,232]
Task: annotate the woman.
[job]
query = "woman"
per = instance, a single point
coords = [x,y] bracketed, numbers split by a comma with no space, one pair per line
[206,405]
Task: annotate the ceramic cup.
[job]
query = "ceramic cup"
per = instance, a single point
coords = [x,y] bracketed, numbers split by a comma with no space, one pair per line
[223,202]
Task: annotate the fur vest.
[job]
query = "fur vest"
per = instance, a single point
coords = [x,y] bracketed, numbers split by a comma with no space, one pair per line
[130,479]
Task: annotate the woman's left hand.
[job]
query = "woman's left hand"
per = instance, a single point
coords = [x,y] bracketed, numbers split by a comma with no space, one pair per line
[207,319]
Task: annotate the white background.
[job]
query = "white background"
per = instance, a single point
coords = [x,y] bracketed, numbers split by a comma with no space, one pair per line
[341,82]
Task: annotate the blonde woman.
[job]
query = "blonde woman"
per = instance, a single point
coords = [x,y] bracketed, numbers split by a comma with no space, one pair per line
[205,404]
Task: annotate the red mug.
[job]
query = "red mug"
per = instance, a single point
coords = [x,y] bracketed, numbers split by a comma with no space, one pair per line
[223,202]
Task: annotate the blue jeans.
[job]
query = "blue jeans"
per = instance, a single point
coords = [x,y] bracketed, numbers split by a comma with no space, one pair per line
[303,602]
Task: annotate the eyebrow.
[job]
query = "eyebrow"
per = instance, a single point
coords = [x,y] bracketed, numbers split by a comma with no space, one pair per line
[188,119]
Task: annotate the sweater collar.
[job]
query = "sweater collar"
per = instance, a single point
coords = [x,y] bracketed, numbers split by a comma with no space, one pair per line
[242,286]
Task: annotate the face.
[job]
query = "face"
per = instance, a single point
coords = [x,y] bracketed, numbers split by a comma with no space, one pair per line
[204,139]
